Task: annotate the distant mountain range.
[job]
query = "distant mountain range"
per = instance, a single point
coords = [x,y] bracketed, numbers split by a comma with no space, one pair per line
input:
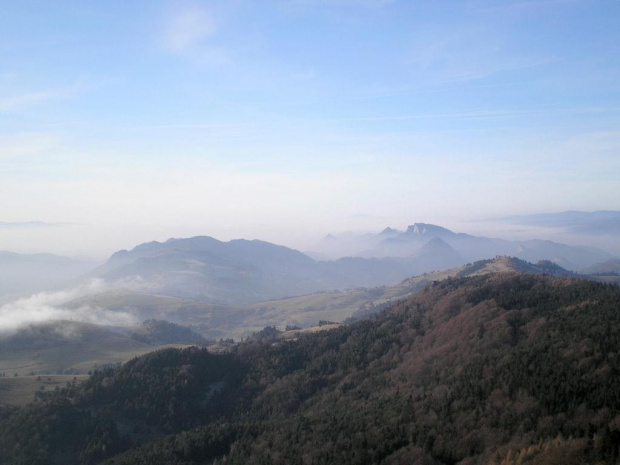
[610,267]
[452,249]
[242,272]
[239,271]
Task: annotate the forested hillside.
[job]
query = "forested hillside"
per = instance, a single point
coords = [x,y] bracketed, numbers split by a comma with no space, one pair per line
[506,368]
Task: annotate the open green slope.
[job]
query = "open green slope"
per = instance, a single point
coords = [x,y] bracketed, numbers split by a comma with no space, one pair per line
[66,347]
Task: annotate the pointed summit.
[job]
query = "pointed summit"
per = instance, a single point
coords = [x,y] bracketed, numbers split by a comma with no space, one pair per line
[436,246]
[389,232]
[329,238]
[437,254]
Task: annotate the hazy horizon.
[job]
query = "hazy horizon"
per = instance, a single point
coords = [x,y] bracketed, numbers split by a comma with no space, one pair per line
[287,120]
[88,242]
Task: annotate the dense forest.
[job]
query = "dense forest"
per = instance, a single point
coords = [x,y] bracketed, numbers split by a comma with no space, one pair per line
[505,368]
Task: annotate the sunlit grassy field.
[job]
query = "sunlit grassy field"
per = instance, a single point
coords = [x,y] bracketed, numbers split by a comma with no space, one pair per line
[86,348]
[20,390]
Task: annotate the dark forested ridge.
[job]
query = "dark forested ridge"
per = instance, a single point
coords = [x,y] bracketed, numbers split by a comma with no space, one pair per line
[506,368]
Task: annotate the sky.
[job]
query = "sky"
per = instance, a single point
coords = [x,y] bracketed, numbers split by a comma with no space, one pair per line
[125,122]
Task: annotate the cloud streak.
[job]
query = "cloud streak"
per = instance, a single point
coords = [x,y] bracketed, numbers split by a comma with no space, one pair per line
[342,3]
[30,99]
[25,100]
[48,306]
[187,28]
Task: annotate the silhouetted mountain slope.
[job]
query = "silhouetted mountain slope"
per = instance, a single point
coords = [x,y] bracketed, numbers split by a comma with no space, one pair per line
[576,258]
[503,368]
[203,268]
[389,232]
[438,254]
[236,252]
[25,274]
[607,267]
[350,244]
[239,271]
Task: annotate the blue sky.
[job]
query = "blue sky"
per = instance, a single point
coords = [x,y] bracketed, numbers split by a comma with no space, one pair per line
[284,120]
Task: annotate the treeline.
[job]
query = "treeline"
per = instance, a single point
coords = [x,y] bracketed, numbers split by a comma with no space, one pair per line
[160,332]
[494,369]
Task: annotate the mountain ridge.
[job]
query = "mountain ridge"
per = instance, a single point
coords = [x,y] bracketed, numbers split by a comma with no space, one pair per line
[22,275]
[473,248]
[239,271]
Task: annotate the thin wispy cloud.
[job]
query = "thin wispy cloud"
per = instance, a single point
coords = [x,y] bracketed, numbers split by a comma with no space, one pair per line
[342,3]
[29,99]
[200,126]
[532,5]
[493,67]
[442,56]
[493,114]
[250,128]
[188,27]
